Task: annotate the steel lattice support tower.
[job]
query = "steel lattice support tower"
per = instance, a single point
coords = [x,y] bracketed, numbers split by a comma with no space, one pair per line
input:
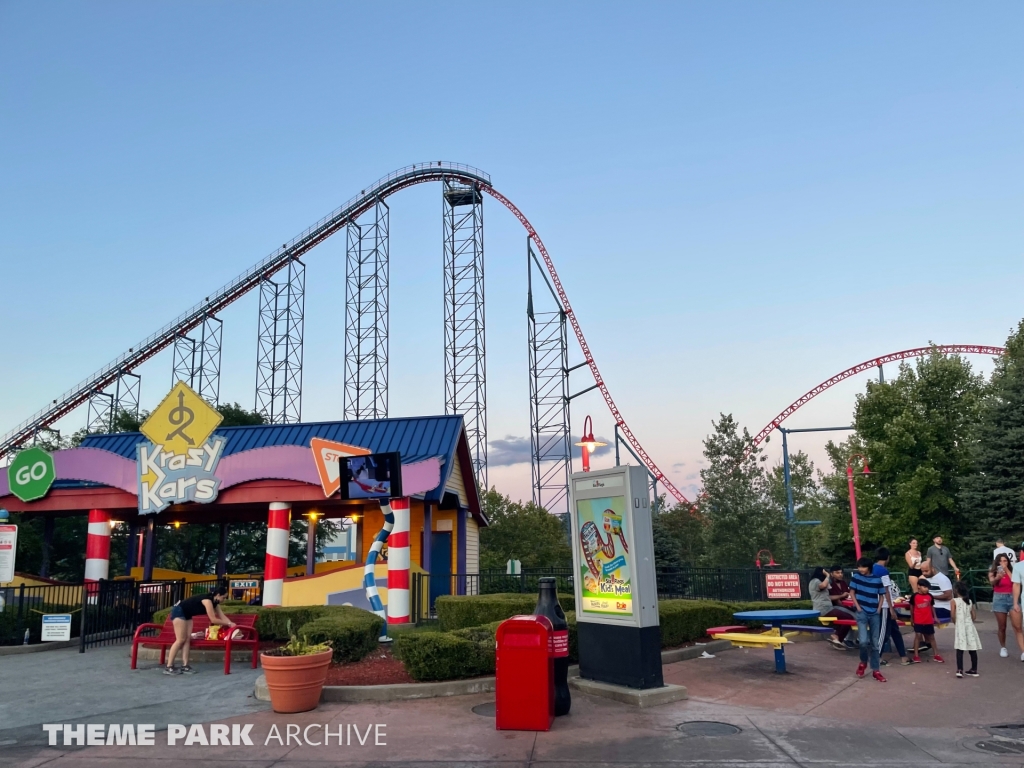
[549,395]
[465,378]
[197,361]
[279,346]
[366,315]
[104,405]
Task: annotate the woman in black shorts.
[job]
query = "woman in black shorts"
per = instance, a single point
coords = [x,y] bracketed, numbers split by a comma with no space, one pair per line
[181,617]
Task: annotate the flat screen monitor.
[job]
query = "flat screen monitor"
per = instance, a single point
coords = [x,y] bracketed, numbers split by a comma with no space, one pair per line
[377,476]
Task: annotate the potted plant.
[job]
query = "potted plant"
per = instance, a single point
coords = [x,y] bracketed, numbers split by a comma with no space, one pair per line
[295,674]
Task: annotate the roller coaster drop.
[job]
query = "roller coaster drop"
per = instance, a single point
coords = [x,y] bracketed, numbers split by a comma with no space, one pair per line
[280,278]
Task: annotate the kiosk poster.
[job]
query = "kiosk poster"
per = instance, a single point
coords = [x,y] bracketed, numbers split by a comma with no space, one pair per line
[605,562]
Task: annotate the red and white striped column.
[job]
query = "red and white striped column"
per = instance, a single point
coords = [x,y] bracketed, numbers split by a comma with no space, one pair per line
[398,564]
[276,564]
[97,546]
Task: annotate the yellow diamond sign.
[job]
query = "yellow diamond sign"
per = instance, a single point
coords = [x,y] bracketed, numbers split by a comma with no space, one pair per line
[182,421]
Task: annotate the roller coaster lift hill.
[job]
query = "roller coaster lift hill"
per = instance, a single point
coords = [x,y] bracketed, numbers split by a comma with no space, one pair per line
[195,336]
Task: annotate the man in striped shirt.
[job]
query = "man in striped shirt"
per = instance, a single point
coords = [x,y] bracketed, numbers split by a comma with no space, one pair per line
[867,589]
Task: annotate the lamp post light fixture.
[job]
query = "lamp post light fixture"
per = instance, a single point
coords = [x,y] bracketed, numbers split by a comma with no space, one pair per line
[853,498]
[588,443]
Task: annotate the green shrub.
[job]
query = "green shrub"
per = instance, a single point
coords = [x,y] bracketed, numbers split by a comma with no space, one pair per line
[683,621]
[273,623]
[462,611]
[469,651]
[443,656]
[353,633]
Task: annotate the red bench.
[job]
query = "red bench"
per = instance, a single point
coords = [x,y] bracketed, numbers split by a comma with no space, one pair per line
[165,639]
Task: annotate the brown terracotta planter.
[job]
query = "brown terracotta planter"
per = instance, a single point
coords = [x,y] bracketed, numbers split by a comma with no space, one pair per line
[295,682]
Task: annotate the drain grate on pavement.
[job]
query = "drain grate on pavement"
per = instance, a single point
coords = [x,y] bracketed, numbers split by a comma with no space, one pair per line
[484,710]
[1001,747]
[707,728]
[1010,730]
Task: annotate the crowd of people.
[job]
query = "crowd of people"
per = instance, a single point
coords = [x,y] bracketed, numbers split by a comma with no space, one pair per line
[871,601]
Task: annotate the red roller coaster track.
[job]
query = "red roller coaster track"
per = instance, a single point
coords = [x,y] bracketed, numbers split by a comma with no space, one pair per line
[400,179]
[616,414]
[945,349]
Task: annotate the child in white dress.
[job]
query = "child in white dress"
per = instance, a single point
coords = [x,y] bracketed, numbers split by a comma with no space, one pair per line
[964,613]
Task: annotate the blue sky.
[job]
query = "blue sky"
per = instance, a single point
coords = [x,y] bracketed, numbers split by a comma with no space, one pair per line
[742,198]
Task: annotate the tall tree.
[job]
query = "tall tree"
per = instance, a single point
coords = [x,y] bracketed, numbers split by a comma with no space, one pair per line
[679,534]
[918,430]
[993,497]
[810,503]
[741,520]
[523,532]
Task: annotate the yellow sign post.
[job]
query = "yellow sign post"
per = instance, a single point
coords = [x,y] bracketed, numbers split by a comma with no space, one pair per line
[183,420]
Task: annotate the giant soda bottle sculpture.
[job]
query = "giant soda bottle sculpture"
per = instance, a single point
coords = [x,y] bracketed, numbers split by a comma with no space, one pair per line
[547,605]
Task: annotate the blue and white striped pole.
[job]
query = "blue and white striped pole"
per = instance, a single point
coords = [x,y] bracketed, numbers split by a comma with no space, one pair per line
[369,574]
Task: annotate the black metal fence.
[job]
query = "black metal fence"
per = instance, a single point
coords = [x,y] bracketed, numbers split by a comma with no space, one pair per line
[22,608]
[112,610]
[102,612]
[687,583]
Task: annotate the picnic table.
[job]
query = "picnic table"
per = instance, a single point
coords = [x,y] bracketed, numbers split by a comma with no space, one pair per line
[776,618]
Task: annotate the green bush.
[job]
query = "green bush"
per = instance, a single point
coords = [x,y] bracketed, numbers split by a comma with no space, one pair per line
[444,655]
[683,621]
[463,611]
[353,633]
[273,623]
[468,652]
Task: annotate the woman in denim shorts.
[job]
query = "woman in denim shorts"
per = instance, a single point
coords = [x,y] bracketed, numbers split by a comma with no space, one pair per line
[1002,595]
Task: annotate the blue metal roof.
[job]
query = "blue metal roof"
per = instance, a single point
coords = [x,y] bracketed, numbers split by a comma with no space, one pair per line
[415,438]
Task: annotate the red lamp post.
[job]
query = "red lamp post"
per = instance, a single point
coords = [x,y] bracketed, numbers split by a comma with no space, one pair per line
[853,498]
[588,443]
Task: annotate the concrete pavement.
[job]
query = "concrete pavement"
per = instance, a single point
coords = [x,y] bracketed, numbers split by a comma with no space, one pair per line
[818,715]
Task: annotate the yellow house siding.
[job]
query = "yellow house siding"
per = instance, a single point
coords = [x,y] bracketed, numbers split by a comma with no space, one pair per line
[455,484]
[472,545]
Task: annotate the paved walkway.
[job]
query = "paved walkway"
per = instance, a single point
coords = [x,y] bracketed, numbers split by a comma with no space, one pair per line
[99,686]
[819,715]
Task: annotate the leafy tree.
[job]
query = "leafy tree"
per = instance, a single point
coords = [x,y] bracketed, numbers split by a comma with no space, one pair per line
[236,416]
[523,532]
[810,502]
[679,534]
[835,535]
[741,519]
[993,497]
[918,430]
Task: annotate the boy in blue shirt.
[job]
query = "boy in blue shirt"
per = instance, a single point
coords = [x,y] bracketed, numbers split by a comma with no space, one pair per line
[867,592]
[890,624]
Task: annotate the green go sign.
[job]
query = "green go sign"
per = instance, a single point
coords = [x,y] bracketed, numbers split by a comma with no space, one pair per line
[31,474]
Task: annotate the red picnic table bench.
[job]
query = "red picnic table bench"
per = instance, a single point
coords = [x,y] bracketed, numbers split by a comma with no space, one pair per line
[165,639]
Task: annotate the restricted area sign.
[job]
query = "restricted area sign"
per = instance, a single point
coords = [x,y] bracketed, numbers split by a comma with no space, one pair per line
[56,627]
[31,474]
[8,550]
[782,586]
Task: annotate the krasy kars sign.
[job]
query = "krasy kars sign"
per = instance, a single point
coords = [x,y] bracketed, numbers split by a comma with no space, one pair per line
[167,478]
[180,463]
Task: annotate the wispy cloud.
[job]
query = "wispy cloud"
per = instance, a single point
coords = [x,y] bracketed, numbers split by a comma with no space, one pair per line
[511,449]
[508,450]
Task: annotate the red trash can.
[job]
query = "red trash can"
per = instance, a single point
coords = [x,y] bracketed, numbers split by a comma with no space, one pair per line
[524,675]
